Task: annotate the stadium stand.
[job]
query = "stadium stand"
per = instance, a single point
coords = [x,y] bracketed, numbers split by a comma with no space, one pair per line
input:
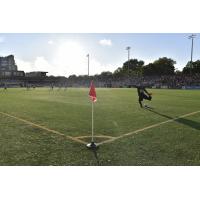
[10,76]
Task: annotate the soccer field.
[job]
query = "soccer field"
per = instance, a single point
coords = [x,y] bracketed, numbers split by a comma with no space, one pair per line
[44,127]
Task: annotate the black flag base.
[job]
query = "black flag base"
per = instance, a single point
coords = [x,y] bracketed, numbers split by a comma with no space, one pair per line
[92,145]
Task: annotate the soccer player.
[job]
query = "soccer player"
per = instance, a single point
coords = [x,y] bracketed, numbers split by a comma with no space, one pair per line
[27,87]
[65,86]
[143,94]
[5,86]
[52,86]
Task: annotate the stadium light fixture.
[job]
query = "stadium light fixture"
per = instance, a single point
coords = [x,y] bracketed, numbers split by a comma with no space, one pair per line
[88,64]
[192,38]
[128,49]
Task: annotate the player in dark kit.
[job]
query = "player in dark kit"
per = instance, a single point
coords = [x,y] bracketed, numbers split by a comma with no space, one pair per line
[143,94]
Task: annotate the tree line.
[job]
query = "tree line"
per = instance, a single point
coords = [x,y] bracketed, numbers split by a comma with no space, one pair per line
[135,67]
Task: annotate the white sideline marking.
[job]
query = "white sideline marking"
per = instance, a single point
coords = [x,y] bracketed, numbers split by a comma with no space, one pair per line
[44,128]
[146,128]
[76,139]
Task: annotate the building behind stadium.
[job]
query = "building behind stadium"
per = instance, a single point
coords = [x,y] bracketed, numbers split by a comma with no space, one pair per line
[12,77]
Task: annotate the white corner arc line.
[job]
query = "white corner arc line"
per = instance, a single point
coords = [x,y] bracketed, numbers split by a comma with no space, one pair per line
[96,136]
[148,127]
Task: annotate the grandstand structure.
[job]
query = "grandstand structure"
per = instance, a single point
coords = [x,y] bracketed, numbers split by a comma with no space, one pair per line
[12,77]
[9,74]
[177,81]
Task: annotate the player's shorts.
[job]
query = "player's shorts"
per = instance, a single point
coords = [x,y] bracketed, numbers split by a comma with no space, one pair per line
[144,96]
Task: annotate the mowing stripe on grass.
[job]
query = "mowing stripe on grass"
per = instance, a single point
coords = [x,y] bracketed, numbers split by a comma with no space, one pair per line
[43,128]
[146,128]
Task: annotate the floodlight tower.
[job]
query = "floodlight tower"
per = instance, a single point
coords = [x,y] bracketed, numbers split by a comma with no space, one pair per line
[128,49]
[88,64]
[192,37]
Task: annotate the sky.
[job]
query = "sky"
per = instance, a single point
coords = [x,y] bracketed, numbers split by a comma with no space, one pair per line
[62,54]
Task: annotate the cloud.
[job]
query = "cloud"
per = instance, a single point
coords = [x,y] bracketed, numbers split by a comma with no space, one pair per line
[50,42]
[67,69]
[96,67]
[39,64]
[70,58]
[105,42]
[24,65]
[2,39]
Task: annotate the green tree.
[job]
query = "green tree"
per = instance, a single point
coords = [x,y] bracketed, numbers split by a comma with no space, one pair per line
[119,73]
[133,67]
[106,75]
[162,66]
[192,68]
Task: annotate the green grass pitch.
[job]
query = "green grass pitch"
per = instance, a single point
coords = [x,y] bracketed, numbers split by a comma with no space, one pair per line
[44,127]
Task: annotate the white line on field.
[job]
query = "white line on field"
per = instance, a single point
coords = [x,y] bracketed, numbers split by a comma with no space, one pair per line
[112,139]
[95,136]
[148,127]
[44,128]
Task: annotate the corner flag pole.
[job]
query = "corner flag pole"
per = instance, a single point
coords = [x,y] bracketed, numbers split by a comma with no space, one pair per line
[93,98]
[92,122]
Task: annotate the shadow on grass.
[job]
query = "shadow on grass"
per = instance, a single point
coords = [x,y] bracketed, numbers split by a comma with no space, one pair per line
[96,156]
[187,122]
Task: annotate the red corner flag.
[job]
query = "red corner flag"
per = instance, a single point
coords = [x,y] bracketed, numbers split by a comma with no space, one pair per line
[92,92]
